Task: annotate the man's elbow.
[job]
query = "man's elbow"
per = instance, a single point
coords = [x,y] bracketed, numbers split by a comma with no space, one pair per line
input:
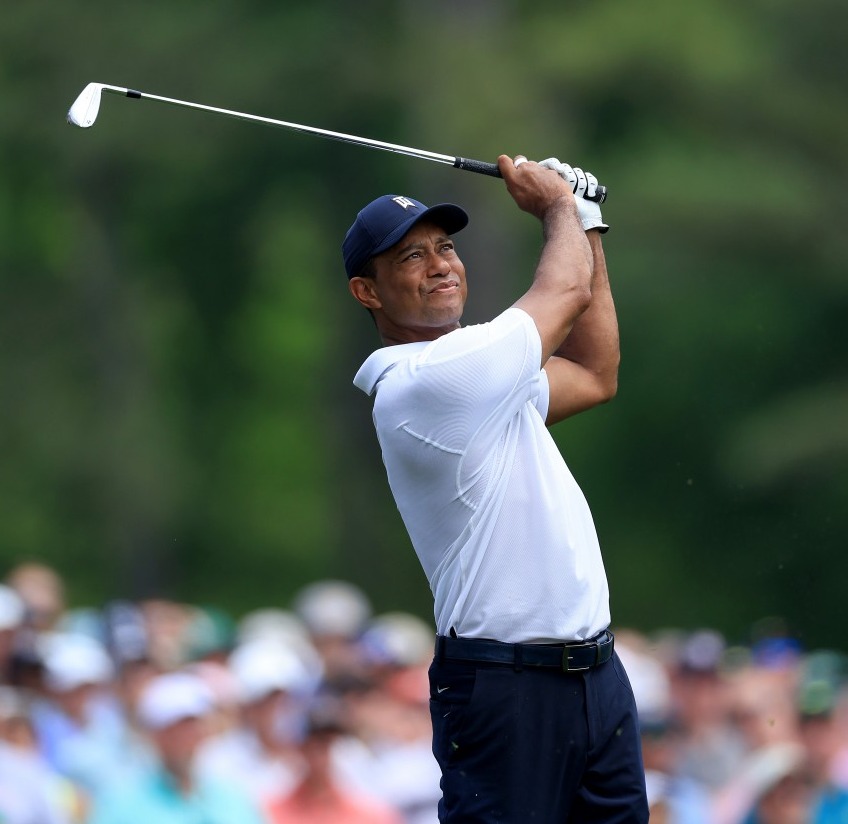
[603,390]
[609,390]
[608,386]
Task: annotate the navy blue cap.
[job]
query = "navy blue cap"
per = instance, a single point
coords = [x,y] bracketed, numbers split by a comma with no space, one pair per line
[384,221]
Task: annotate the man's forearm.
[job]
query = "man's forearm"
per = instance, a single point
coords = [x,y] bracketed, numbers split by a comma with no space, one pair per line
[561,288]
[593,341]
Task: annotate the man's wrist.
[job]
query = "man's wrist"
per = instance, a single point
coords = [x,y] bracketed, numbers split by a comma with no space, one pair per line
[560,214]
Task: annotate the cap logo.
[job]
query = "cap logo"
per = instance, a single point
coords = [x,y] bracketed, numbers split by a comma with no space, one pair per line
[404,201]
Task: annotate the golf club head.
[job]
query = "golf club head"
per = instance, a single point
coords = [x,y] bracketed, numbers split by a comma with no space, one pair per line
[84,110]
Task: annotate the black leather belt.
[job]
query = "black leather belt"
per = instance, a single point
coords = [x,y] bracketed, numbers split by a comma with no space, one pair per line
[574,656]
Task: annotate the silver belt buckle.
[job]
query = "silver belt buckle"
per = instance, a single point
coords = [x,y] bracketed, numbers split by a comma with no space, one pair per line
[566,657]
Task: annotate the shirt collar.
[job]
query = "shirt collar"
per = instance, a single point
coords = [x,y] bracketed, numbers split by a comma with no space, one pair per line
[381,361]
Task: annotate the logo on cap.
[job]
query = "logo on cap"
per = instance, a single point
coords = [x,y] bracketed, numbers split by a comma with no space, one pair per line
[404,201]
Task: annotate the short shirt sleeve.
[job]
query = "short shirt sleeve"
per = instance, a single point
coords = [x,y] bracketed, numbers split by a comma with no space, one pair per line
[543,399]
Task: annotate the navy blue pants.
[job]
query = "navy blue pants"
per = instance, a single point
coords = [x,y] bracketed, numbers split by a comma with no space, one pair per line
[536,746]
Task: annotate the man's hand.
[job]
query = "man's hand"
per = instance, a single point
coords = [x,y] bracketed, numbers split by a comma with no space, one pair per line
[533,188]
[582,183]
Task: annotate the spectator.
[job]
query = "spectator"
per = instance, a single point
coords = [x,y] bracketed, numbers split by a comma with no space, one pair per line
[821,683]
[79,723]
[285,628]
[390,715]
[209,635]
[173,709]
[319,797]
[335,613]
[763,709]
[712,746]
[43,592]
[260,753]
[12,613]
[168,626]
[673,797]
[781,788]
[30,792]
[125,633]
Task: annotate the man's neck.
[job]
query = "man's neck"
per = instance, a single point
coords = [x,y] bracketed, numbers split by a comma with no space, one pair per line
[397,337]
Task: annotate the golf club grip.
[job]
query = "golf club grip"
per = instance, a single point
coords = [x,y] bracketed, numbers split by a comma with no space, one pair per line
[479,166]
[491,169]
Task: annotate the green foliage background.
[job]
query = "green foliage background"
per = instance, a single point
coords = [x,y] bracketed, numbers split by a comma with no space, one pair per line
[177,343]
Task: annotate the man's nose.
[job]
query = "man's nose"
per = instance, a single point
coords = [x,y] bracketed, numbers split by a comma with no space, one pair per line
[438,265]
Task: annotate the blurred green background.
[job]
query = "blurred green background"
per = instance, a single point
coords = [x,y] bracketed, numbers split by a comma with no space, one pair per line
[177,343]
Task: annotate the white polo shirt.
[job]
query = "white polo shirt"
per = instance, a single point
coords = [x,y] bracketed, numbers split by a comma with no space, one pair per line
[502,530]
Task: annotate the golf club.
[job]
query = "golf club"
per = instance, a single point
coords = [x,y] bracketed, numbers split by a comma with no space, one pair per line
[84,111]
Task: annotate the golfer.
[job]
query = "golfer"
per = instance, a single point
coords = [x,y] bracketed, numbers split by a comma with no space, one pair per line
[533,716]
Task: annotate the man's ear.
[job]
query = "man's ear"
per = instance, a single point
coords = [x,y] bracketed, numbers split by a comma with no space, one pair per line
[364,290]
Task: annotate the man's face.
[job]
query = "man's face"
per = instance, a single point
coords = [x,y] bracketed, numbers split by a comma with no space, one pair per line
[418,290]
[178,742]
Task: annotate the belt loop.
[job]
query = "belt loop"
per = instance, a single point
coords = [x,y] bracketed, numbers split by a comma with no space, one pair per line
[440,648]
[518,657]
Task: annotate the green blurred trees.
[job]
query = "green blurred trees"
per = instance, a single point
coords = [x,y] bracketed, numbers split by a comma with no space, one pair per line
[177,344]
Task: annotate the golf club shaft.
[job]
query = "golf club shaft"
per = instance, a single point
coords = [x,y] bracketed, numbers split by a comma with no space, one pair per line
[468,164]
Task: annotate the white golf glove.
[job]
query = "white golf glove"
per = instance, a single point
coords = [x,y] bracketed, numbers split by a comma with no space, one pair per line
[582,183]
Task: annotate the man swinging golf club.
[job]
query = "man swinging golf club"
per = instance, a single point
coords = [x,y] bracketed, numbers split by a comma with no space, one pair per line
[533,716]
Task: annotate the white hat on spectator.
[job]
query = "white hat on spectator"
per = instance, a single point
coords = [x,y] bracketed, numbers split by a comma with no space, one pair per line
[73,660]
[333,608]
[399,638]
[12,608]
[172,697]
[271,623]
[265,666]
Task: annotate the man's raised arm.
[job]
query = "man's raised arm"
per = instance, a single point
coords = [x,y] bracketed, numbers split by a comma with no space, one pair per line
[570,298]
[561,288]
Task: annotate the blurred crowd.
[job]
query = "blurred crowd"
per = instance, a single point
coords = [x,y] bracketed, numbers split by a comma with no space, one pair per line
[317,711]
